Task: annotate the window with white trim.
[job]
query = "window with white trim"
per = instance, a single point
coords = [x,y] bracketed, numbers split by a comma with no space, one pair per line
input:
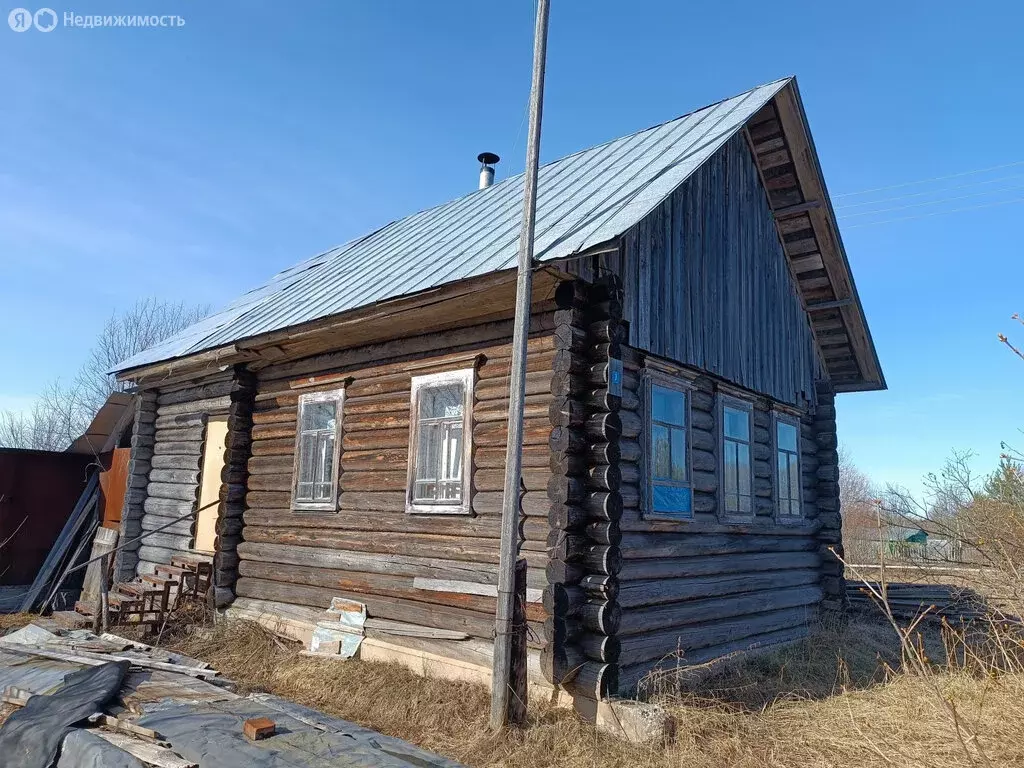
[737,471]
[316,450]
[787,467]
[440,443]
[669,493]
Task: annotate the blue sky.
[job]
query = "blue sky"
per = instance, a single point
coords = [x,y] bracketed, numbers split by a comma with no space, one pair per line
[191,163]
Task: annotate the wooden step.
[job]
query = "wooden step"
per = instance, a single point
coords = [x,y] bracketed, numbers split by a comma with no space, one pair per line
[159,581]
[191,561]
[173,569]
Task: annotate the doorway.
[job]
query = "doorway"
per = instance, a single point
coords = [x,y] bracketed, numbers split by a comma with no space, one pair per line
[210,482]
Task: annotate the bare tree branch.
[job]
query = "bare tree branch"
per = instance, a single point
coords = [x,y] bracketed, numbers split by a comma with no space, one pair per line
[62,411]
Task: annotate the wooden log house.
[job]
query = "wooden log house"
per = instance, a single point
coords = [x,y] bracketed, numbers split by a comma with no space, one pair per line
[340,432]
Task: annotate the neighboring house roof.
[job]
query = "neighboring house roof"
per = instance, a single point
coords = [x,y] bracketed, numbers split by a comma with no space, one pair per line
[583,201]
[106,426]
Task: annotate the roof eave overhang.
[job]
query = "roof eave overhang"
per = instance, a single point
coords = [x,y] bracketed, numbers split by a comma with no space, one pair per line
[782,144]
[336,332]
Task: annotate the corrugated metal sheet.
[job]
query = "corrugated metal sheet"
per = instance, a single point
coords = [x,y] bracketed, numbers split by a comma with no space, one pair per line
[583,200]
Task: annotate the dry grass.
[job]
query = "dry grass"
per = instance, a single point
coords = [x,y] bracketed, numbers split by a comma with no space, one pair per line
[832,700]
[10,621]
[837,699]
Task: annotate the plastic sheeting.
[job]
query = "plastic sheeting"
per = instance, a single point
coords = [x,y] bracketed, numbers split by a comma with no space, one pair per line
[83,749]
[32,736]
[211,735]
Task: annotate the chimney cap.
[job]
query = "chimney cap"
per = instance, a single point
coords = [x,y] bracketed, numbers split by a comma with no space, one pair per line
[488,158]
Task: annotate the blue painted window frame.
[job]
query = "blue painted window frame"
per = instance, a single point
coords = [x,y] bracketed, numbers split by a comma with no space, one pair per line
[680,491]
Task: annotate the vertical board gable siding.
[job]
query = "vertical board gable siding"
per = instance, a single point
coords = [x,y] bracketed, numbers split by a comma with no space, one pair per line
[707,283]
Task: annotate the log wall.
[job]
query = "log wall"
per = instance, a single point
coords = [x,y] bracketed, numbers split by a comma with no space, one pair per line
[584,490]
[234,481]
[426,569]
[143,431]
[692,590]
[821,473]
[175,416]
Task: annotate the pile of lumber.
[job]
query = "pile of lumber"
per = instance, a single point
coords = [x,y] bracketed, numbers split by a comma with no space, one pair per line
[911,600]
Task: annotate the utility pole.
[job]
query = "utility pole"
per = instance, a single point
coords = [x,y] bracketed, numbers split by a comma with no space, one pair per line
[501,693]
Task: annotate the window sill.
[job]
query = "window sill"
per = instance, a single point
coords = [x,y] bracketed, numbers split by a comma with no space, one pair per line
[736,518]
[314,509]
[436,509]
[668,517]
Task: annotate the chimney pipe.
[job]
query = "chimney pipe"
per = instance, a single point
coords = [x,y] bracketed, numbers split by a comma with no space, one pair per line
[487,161]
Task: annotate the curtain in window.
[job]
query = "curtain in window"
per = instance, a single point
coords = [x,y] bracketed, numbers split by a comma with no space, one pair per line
[438,475]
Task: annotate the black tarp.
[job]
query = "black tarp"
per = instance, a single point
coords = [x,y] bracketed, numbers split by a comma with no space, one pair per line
[32,736]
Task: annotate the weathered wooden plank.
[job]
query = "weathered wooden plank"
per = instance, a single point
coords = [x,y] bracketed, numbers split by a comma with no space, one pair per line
[477,624]
[370,562]
[634,570]
[373,584]
[536,528]
[685,640]
[278,447]
[649,618]
[388,459]
[657,545]
[168,507]
[177,448]
[177,476]
[175,462]
[181,491]
[634,676]
[209,405]
[450,547]
[636,594]
[373,481]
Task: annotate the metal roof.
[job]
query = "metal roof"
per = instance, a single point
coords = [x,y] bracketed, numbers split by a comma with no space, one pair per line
[583,200]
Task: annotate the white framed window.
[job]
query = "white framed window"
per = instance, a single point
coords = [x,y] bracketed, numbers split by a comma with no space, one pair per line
[787,467]
[440,443]
[667,450]
[317,444]
[737,469]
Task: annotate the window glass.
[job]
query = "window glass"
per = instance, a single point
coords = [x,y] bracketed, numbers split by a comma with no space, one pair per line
[787,476]
[668,473]
[786,436]
[737,423]
[318,415]
[661,446]
[736,466]
[668,406]
[439,450]
[315,481]
[444,401]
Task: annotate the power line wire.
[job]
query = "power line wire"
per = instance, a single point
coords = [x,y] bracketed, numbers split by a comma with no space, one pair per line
[928,192]
[940,201]
[934,178]
[936,213]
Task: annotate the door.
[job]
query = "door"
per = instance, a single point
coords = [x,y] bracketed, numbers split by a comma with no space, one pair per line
[210,480]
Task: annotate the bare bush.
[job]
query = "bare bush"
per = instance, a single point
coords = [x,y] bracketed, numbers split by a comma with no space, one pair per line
[63,411]
[858,503]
